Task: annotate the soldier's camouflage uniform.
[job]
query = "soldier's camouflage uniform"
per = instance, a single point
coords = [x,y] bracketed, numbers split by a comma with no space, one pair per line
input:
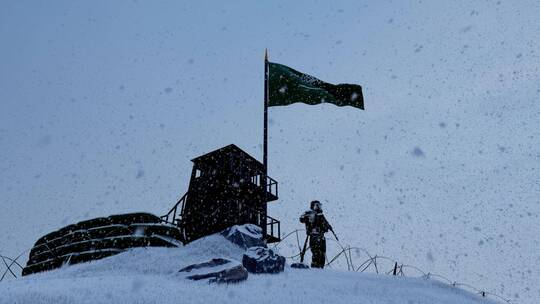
[316,227]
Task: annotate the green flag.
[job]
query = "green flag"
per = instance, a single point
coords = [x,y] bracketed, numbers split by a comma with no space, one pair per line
[287,86]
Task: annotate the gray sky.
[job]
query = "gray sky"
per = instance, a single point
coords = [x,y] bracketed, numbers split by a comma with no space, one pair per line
[102,104]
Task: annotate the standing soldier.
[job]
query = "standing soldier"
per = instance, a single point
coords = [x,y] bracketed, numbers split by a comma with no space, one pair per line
[316,227]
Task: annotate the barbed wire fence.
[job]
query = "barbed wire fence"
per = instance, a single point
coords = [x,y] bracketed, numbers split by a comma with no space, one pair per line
[380,264]
[11,266]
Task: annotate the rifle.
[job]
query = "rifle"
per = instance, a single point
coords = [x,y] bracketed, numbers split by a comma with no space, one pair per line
[334,233]
[304,249]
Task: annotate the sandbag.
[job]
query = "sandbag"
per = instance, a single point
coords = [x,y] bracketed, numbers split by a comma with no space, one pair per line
[98,238]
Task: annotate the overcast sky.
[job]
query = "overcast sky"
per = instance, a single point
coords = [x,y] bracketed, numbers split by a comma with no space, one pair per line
[103,104]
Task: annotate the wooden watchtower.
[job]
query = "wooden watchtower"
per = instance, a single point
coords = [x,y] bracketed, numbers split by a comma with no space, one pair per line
[226,188]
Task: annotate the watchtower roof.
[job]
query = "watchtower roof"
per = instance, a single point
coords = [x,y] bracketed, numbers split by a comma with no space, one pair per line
[228,152]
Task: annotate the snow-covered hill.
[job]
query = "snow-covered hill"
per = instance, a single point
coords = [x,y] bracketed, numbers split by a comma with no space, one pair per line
[151,276]
[102,104]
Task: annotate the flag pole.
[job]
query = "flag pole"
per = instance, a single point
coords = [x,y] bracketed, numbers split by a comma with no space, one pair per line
[265,142]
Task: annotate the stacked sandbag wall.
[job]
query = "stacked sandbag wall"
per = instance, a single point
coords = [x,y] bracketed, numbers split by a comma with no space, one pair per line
[99,238]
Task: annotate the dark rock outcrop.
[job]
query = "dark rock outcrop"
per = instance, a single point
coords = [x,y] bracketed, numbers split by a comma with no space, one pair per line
[217,270]
[263,260]
[245,236]
[299,266]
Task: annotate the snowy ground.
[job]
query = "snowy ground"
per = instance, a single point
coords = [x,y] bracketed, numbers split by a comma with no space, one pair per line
[150,276]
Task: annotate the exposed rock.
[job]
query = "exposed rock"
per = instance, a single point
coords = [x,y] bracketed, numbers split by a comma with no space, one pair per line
[299,266]
[245,236]
[211,263]
[217,270]
[263,260]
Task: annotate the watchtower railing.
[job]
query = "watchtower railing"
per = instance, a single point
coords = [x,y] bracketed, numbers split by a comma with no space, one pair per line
[273,225]
[173,216]
[271,186]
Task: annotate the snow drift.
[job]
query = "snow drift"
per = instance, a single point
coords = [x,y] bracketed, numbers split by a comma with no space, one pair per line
[150,275]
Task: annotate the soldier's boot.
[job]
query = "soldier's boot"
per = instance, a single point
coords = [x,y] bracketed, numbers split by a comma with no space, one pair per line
[318,259]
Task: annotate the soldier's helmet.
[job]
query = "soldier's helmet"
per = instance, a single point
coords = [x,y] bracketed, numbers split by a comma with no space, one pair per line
[316,206]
